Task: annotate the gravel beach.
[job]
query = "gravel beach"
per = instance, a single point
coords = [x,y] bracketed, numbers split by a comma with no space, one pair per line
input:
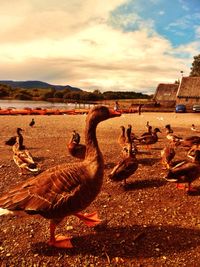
[151,223]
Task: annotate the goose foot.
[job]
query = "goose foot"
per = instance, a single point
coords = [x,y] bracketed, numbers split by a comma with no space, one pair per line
[180,186]
[90,219]
[191,189]
[187,189]
[61,242]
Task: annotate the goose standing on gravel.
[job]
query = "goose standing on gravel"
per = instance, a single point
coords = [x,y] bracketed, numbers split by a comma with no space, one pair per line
[66,189]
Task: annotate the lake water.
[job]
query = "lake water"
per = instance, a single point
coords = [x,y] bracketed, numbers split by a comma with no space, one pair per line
[20,104]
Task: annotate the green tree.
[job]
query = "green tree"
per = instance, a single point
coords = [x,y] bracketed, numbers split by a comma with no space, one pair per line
[89,96]
[48,94]
[72,95]
[195,69]
[23,96]
[4,92]
[58,94]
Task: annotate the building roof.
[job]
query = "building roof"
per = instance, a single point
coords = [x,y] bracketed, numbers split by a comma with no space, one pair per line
[189,87]
[166,92]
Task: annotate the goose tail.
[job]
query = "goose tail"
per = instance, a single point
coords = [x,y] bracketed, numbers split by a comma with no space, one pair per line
[33,167]
[5,212]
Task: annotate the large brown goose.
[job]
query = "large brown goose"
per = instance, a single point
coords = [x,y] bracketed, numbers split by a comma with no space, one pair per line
[66,189]
[185,172]
[76,149]
[126,167]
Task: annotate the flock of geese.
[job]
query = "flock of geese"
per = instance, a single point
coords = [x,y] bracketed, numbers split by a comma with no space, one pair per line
[68,189]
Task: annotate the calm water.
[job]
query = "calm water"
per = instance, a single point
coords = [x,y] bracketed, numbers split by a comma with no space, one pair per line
[20,104]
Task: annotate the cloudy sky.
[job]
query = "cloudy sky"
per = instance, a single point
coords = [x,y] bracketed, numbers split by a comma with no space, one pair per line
[129,45]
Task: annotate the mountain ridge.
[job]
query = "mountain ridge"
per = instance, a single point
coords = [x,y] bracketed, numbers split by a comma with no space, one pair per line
[37,84]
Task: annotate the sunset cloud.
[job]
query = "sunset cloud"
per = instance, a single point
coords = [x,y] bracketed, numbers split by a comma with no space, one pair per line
[84,44]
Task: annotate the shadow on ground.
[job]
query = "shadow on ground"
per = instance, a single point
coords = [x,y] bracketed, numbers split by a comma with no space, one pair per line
[141,184]
[130,242]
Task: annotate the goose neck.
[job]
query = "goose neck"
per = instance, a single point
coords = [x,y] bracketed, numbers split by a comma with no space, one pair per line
[90,139]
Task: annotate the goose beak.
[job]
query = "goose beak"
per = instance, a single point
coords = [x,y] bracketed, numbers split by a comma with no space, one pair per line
[114,113]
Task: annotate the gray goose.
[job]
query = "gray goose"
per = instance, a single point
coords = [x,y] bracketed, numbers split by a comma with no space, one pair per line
[65,189]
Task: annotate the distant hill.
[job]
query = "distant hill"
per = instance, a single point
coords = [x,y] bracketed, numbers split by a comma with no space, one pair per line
[37,84]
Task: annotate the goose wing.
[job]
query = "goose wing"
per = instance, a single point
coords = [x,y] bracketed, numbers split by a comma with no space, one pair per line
[52,194]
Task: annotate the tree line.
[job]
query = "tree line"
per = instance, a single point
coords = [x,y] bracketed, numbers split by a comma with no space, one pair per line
[7,92]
